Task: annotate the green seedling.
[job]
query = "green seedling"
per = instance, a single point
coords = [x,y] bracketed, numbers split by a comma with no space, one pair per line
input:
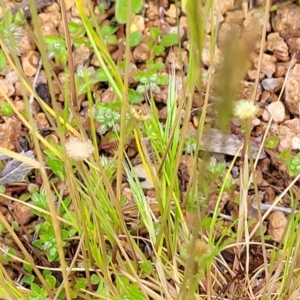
[133,96]
[159,43]
[11,31]
[6,257]
[128,290]
[292,162]
[57,47]
[149,79]
[76,31]
[49,278]
[135,38]
[216,169]
[271,142]
[37,292]
[108,34]
[5,109]
[190,145]
[78,34]
[56,165]
[85,78]
[108,115]
[47,240]
[40,201]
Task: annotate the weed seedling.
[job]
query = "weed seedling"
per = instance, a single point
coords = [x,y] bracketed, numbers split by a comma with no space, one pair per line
[149,79]
[11,30]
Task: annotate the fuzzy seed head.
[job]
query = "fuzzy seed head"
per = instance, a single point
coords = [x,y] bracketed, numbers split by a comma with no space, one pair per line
[245,109]
[201,248]
[79,149]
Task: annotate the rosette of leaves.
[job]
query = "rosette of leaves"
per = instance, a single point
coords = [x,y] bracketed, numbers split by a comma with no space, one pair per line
[57,48]
[11,30]
[149,79]
[108,115]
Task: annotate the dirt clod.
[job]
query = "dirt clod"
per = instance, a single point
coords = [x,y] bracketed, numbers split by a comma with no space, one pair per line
[292,90]
[23,213]
[277,224]
[275,109]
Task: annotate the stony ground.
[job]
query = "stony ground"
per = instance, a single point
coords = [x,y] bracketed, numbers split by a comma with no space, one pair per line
[280,68]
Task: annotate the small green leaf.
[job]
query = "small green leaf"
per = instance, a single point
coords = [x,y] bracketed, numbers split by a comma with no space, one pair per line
[155,33]
[140,75]
[108,30]
[15,225]
[95,279]
[5,109]
[52,254]
[141,89]
[294,165]
[271,142]
[73,294]
[135,38]
[19,18]
[112,40]
[134,97]
[101,76]
[121,9]
[137,5]
[27,267]
[158,50]
[46,273]
[285,155]
[146,267]
[273,8]
[122,65]
[101,289]
[159,65]
[162,80]
[57,167]
[35,288]
[40,200]
[80,41]
[64,234]
[65,204]
[101,8]
[74,27]
[72,232]
[56,45]
[48,152]
[38,244]
[28,279]
[169,40]
[51,39]
[81,283]
[51,280]
[2,60]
